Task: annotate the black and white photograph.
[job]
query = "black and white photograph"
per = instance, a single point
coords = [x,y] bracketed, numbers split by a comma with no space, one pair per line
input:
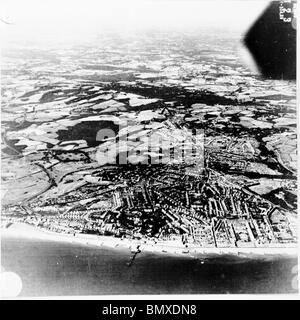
[148,147]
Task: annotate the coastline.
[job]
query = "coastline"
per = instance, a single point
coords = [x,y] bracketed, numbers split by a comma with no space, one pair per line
[137,246]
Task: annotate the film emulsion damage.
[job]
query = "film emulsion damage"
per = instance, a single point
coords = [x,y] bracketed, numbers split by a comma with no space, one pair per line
[272,40]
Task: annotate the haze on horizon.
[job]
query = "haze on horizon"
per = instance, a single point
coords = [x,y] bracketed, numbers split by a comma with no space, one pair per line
[36,21]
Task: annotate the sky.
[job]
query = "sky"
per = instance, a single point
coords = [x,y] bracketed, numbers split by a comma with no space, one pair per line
[34,20]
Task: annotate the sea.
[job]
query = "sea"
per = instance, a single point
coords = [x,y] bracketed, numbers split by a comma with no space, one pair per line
[52,268]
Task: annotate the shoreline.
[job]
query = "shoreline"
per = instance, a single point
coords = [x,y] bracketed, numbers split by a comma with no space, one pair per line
[138,246]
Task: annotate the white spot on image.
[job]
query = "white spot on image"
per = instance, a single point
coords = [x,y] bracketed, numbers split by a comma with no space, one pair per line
[10,285]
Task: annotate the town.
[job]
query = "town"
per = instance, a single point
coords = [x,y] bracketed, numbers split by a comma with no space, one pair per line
[168,204]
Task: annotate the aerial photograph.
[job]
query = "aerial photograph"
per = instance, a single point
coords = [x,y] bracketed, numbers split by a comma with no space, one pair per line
[144,151]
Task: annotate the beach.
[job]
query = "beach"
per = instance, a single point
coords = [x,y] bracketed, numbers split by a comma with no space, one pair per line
[55,265]
[158,247]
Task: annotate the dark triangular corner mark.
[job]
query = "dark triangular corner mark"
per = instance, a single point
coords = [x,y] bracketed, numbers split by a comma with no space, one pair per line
[272,41]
